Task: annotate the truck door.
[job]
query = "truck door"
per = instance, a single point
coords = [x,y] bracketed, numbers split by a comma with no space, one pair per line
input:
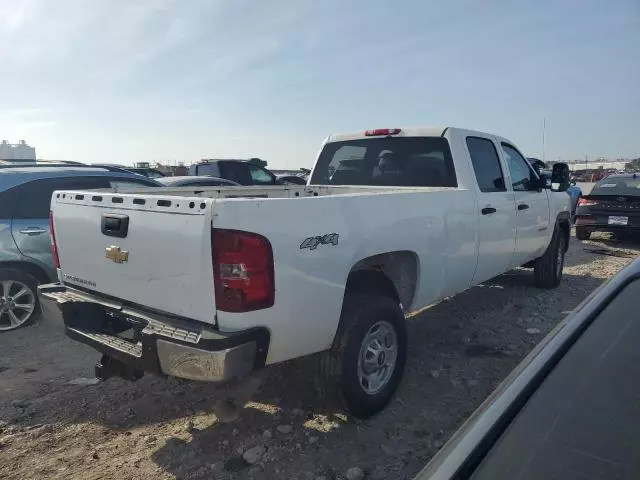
[496,211]
[532,207]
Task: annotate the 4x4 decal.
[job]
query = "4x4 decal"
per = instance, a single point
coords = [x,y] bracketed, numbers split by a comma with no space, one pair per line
[312,242]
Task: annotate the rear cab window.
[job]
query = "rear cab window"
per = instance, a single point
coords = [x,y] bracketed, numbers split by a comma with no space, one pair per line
[617,186]
[388,161]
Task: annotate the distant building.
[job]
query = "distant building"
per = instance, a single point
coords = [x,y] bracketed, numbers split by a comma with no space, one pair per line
[596,164]
[17,152]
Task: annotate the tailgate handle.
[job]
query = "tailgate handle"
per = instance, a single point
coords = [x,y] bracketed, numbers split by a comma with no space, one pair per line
[114,225]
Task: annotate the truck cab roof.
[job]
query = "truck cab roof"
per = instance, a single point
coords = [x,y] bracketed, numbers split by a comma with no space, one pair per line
[415,131]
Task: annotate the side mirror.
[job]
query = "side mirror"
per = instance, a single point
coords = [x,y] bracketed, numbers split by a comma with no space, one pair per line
[560,176]
[544,182]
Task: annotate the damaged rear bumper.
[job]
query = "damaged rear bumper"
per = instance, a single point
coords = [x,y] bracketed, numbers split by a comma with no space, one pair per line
[134,341]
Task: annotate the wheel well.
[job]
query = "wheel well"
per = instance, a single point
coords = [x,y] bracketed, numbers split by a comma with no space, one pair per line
[566,231]
[393,273]
[33,270]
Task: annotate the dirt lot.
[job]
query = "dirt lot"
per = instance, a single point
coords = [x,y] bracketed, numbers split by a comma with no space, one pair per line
[460,349]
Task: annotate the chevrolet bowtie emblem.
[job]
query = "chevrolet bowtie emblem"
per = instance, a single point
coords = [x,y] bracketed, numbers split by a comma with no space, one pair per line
[116,255]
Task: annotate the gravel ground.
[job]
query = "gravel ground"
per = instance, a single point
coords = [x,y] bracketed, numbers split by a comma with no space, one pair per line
[56,423]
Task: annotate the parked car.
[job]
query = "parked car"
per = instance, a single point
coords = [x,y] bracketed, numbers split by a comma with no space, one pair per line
[145,172]
[613,205]
[25,250]
[292,180]
[575,192]
[570,409]
[187,181]
[244,172]
[419,214]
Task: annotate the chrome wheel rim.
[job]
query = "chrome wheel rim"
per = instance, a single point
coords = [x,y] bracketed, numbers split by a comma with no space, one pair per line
[560,257]
[377,359]
[17,304]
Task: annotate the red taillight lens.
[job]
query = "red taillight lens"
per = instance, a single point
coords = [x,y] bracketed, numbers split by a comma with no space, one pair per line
[54,247]
[381,132]
[586,202]
[243,270]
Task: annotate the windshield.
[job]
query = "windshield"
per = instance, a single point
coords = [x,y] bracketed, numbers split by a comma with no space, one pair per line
[389,161]
[617,186]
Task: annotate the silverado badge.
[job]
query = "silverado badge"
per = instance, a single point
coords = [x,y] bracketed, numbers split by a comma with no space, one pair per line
[116,255]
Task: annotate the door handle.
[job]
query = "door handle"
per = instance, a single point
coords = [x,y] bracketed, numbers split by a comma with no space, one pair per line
[33,231]
[488,210]
[523,206]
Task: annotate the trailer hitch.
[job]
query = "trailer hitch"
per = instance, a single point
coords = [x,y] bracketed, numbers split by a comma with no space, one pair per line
[109,367]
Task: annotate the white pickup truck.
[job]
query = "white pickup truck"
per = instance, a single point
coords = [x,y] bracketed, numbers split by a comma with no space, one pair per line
[216,283]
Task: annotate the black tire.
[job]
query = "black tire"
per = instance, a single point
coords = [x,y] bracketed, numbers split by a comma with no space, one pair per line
[28,281]
[547,270]
[582,233]
[339,366]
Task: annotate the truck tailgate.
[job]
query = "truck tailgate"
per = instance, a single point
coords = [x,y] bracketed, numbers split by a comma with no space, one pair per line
[150,250]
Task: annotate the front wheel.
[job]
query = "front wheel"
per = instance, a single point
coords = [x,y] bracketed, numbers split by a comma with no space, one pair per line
[18,299]
[364,367]
[547,269]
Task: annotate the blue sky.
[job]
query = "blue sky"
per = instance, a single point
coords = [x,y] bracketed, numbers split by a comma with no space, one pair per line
[138,80]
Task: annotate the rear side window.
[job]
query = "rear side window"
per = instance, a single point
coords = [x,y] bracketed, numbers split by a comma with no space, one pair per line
[236,171]
[8,199]
[35,196]
[389,161]
[486,164]
[205,169]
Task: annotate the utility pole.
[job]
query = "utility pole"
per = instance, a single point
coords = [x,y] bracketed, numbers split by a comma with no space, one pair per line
[544,146]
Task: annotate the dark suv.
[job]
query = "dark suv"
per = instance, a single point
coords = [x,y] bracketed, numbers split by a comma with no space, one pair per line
[244,172]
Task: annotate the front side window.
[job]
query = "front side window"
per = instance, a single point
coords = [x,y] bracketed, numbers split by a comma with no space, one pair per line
[259,176]
[522,175]
[388,161]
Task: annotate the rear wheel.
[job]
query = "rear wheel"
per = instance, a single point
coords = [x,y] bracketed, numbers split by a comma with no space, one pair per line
[18,299]
[364,367]
[547,270]
[582,233]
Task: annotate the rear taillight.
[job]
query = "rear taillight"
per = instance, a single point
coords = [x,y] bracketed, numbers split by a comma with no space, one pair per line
[585,202]
[243,270]
[54,247]
[382,132]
